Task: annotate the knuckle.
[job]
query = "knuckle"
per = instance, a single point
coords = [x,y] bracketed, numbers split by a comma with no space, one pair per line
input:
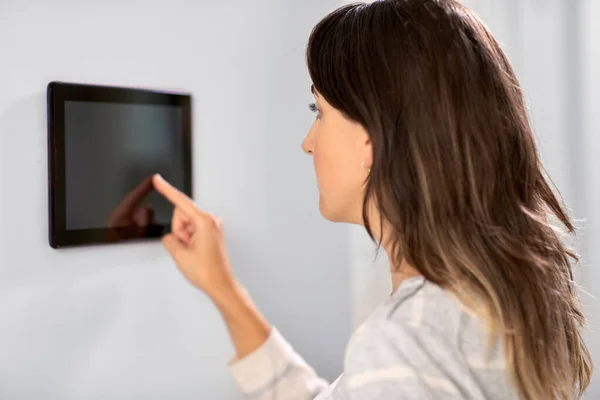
[204,219]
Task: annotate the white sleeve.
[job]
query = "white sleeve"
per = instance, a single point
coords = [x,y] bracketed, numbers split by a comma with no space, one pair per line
[276,371]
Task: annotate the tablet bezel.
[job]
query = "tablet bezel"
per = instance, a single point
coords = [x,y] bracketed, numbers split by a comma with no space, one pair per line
[57,94]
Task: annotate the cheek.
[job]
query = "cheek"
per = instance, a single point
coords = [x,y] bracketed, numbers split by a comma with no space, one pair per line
[324,160]
[333,163]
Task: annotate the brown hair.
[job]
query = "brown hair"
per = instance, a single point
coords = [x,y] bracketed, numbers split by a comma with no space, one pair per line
[456,175]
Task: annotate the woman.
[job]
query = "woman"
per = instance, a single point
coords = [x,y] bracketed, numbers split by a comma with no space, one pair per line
[421,135]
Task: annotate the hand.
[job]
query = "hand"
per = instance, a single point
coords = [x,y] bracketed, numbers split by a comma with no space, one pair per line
[129,213]
[197,243]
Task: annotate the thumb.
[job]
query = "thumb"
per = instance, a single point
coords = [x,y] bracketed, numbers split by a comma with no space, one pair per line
[174,247]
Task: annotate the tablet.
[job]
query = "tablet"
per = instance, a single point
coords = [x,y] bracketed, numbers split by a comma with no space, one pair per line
[104,145]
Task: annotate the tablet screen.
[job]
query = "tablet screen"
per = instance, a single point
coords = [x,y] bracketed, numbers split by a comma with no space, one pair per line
[110,149]
[107,149]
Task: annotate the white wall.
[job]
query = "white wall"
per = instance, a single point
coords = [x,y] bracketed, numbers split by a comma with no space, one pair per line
[589,174]
[119,321]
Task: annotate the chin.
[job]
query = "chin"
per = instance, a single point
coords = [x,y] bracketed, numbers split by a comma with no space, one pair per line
[330,213]
[346,214]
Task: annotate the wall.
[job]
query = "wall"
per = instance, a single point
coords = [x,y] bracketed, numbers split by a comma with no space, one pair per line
[589,174]
[119,321]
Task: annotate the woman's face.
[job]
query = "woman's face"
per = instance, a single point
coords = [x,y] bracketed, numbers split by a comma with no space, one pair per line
[342,157]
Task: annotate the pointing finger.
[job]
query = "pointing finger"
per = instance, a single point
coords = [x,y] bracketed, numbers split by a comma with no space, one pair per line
[176,197]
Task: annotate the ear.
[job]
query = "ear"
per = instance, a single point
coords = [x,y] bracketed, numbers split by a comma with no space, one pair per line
[367,150]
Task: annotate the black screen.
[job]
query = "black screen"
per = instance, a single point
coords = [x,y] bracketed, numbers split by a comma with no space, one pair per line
[110,150]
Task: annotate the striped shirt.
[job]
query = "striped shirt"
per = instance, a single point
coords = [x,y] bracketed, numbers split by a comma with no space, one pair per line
[420,343]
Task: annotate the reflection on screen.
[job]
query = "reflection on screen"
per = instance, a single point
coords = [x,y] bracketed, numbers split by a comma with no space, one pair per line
[110,150]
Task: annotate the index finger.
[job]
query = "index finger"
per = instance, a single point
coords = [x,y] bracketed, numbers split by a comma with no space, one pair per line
[177,198]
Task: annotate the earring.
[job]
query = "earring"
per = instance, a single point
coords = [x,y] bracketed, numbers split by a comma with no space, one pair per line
[363,165]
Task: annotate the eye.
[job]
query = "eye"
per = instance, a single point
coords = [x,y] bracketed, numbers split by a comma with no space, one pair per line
[313,107]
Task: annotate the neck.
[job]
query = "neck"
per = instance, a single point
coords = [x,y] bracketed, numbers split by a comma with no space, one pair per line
[400,270]
[400,274]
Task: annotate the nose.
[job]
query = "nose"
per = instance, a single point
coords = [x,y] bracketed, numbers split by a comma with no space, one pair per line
[308,144]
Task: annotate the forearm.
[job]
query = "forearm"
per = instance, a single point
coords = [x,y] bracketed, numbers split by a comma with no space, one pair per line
[265,364]
[247,327]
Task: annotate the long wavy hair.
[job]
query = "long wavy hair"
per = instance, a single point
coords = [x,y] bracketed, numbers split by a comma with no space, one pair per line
[457,177]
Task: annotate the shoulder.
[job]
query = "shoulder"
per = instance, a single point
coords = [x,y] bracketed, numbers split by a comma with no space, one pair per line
[419,316]
[422,336]
[417,307]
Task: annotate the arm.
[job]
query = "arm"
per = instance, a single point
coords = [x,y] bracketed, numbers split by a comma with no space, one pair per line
[247,327]
[266,366]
